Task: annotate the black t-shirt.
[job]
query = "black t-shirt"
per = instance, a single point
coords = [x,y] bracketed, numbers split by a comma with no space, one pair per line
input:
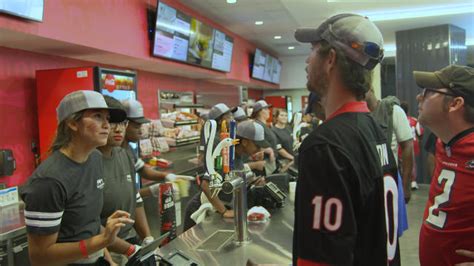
[284,138]
[340,197]
[65,197]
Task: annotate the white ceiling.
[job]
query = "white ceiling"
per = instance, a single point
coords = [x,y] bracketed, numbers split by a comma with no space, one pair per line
[282,17]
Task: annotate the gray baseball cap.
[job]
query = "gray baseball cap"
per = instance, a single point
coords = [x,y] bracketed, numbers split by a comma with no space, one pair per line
[259,105]
[239,114]
[252,131]
[134,111]
[219,110]
[355,35]
[83,100]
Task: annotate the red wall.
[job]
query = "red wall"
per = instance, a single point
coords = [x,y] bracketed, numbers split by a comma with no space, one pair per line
[115,26]
[18,101]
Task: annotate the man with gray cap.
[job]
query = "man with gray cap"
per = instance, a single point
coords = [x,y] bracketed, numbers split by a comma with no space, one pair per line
[345,165]
[133,134]
[446,107]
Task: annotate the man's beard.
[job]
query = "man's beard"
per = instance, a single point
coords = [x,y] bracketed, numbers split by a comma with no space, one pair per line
[321,84]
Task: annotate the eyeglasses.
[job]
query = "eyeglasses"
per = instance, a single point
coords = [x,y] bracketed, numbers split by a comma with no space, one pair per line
[427,91]
[123,124]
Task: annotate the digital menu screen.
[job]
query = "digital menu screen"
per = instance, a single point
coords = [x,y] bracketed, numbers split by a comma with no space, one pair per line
[181,37]
[266,67]
[172,33]
[29,9]
[222,56]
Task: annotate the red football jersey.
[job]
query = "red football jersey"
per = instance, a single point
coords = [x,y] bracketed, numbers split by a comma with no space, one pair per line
[448,222]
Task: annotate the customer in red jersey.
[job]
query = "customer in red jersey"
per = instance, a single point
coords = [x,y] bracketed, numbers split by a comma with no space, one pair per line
[446,106]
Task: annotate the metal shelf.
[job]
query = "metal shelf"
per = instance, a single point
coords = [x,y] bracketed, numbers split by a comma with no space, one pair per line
[180,105]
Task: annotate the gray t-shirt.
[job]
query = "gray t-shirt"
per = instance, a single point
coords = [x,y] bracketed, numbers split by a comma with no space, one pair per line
[65,197]
[120,192]
[284,138]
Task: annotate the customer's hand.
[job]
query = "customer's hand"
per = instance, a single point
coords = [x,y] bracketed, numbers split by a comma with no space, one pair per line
[467,254]
[115,221]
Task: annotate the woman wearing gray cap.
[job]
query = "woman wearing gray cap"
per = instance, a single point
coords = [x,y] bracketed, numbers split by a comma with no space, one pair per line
[120,191]
[63,197]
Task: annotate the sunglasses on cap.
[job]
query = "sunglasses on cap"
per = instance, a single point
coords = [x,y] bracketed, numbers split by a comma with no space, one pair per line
[371,49]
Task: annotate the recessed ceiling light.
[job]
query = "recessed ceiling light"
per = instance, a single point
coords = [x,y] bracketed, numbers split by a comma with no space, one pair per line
[277,37]
[231,1]
[291,47]
[258,22]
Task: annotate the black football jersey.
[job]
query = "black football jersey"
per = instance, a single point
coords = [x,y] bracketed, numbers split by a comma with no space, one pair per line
[346,197]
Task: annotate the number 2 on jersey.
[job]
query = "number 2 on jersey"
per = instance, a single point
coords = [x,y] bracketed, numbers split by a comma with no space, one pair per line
[439,220]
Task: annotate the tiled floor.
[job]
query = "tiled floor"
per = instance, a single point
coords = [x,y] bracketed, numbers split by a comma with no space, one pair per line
[409,240]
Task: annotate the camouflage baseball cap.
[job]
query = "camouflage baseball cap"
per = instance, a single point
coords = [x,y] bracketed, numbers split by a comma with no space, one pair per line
[456,78]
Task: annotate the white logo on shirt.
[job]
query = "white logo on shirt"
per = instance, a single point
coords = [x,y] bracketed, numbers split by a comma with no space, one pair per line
[383,154]
[129,178]
[100,183]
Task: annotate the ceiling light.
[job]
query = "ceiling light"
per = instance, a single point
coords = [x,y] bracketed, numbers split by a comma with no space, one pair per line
[291,47]
[258,22]
[430,11]
[277,37]
[231,1]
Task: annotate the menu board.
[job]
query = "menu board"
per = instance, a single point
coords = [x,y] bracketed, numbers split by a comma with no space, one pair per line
[222,56]
[181,37]
[29,9]
[172,33]
[266,67]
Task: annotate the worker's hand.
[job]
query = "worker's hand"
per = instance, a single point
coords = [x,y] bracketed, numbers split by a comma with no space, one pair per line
[258,156]
[170,177]
[115,221]
[467,254]
[228,214]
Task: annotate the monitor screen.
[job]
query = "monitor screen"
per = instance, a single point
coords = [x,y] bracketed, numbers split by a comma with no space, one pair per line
[266,67]
[181,37]
[222,54]
[172,31]
[201,41]
[29,9]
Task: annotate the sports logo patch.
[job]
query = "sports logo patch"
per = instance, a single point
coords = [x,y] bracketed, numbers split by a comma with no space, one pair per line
[470,165]
[100,183]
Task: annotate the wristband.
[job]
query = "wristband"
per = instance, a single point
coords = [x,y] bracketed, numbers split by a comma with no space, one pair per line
[83,248]
[130,251]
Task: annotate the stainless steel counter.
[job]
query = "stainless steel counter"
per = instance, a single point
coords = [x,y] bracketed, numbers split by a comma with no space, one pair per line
[12,233]
[270,243]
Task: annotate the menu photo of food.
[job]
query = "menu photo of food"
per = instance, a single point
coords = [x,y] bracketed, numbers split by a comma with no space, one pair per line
[201,40]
